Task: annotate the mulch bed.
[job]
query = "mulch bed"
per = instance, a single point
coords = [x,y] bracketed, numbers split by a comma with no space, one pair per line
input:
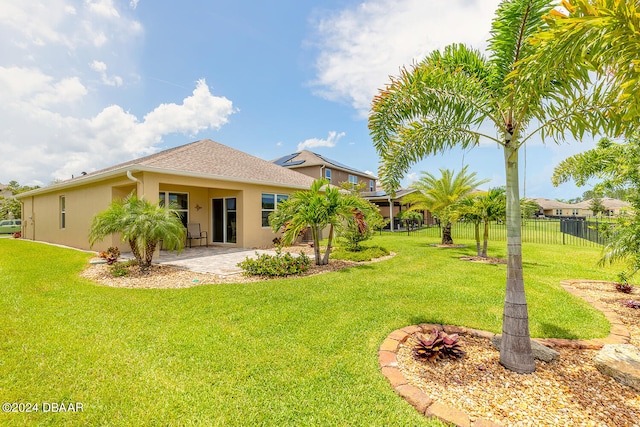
[567,392]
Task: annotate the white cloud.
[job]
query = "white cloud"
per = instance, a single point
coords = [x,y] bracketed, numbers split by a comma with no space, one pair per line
[330,142]
[361,46]
[31,87]
[66,145]
[101,68]
[134,3]
[54,118]
[103,8]
[198,112]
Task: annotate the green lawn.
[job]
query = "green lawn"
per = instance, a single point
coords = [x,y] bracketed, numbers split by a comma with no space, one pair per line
[280,352]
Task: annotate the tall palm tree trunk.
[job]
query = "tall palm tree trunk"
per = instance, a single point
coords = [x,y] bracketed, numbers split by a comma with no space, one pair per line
[476,225]
[485,239]
[325,259]
[446,234]
[515,351]
[315,235]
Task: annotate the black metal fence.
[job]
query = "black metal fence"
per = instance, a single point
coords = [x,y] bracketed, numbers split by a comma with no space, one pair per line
[565,231]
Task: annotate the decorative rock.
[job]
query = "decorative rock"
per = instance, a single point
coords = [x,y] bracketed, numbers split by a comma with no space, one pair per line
[620,361]
[448,414]
[540,352]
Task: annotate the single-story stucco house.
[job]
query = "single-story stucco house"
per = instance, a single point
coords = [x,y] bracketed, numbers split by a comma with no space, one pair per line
[554,208]
[228,192]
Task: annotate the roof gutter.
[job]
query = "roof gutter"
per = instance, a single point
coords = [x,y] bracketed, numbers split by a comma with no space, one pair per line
[88,179]
[131,177]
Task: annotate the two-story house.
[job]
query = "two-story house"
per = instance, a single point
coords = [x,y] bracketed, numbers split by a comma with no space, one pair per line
[318,166]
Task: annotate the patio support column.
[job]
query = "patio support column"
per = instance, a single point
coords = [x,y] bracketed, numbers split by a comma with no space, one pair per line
[391,214]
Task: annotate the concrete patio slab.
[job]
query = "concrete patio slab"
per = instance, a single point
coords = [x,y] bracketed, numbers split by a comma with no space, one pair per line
[219,260]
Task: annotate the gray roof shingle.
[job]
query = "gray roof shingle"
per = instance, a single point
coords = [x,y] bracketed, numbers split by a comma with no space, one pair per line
[204,158]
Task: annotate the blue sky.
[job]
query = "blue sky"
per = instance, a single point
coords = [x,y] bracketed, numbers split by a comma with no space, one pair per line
[90,83]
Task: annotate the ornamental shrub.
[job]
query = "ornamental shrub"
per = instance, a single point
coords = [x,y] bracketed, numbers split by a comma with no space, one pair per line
[277,265]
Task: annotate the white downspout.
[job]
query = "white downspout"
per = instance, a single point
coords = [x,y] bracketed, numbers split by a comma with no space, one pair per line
[136,180]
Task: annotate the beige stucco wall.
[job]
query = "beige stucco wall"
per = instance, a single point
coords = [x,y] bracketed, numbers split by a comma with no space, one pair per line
[41,213]
[337,176]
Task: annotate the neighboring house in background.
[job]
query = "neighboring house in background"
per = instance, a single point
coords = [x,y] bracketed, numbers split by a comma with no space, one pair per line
[317,166]
[554,208]
[614,206]
[384,202]
[228,192]
[5,191]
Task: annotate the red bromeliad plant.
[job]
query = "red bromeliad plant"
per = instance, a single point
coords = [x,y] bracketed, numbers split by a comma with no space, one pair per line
[438,345]
[632,304]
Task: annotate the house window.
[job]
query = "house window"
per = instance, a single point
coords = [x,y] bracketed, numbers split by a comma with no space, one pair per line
[575,212]
[180,202]
[372,185]
[327,174]
[63,212]
[558,211]
[270,204]
[353,179]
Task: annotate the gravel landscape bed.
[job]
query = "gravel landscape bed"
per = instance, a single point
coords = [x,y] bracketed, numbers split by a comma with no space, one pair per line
[567,392]
[163,276]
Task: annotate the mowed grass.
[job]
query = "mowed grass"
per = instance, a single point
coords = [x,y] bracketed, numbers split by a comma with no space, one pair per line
[281,352]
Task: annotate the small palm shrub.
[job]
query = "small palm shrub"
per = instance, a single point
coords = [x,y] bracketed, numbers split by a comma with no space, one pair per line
[277,265]
[623,283]
[438,345]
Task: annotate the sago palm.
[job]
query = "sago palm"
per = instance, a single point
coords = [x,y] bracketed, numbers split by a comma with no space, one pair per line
[142,224]
[439,195]
[456,97]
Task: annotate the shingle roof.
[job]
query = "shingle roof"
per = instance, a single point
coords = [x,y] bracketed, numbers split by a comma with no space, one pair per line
[552,204]
[382,195]
[204,158]
[308,158]
[607,202]
[212,158]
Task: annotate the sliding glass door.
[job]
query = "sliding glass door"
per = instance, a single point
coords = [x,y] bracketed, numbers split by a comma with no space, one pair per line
[224,220]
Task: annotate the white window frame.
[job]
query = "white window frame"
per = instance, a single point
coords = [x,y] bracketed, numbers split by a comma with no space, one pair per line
[353,179]
[63,212]
[277,198]
[163,196]
[327,174]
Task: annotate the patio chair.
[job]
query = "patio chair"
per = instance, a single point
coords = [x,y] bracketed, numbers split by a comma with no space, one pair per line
[194,233]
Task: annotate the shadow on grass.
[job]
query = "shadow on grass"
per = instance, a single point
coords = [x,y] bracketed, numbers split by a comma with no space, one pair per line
[555,331]
[417,320]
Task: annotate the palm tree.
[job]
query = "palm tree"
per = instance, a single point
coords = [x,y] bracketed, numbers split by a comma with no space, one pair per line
[482,208]
[440,195]
[601,36]
[443,101]
[141,223]
[618,164]
[316,209]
